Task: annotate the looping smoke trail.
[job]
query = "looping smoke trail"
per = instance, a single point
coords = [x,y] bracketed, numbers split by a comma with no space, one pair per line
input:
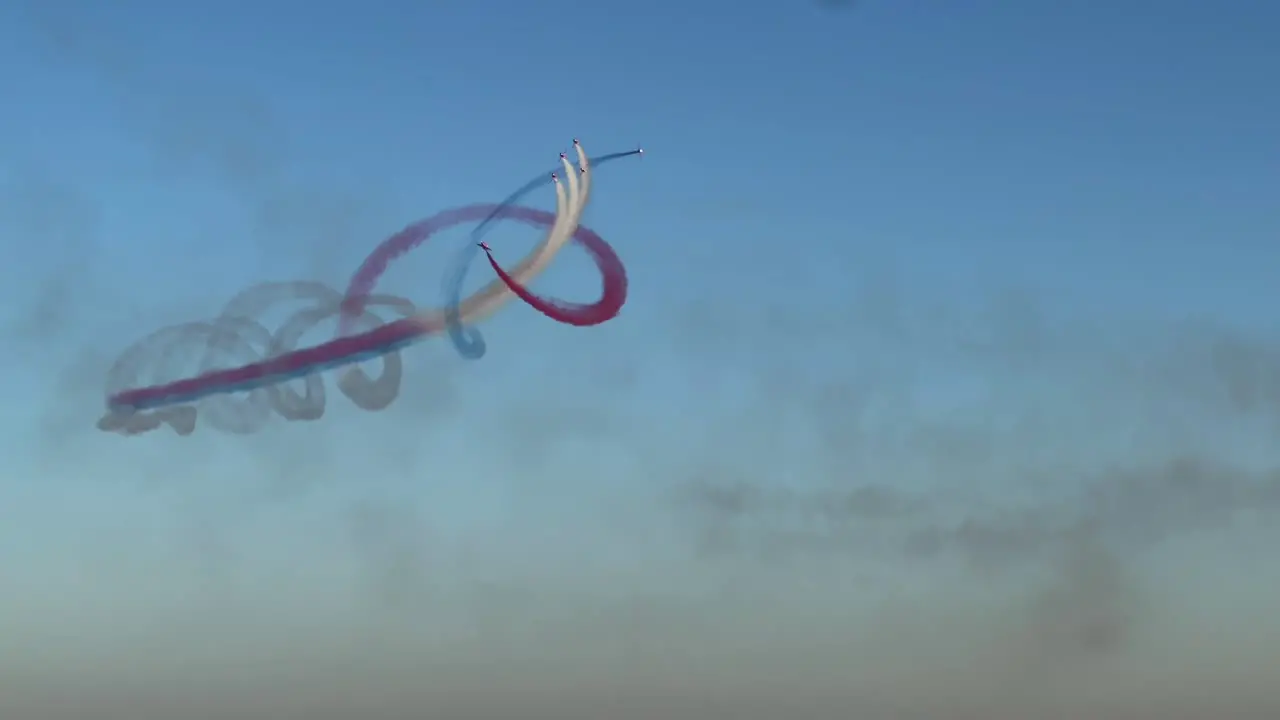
[235,335]
[467,340]
[134,408]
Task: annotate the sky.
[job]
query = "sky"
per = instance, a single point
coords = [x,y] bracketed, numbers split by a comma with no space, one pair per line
[948,384]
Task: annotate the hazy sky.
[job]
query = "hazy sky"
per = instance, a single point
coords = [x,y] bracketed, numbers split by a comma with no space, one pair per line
[948,387]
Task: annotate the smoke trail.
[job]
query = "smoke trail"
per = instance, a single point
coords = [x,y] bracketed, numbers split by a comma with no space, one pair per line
[467,340]
[613,293]
[490,298]
[235,333]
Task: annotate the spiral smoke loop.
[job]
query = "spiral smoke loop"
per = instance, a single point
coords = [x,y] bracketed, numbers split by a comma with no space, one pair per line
[236,335]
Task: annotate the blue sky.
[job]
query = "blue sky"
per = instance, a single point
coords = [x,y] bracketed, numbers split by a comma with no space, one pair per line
[969,267]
